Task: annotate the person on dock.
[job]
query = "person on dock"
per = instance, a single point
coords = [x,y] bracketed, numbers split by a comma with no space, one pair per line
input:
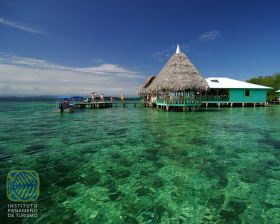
[96,97]
[93,96]
[112,99]
[122,97]
[101,97]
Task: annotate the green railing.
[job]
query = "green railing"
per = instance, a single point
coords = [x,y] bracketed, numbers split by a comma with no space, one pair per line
[179,101]
[191,100]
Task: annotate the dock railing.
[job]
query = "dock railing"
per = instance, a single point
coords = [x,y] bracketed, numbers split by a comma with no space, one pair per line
[178,101]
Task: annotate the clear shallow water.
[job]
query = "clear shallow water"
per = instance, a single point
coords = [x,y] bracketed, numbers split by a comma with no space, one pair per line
[137,165]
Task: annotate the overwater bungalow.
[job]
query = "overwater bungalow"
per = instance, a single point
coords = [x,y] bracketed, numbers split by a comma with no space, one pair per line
[179,84]
[226,91]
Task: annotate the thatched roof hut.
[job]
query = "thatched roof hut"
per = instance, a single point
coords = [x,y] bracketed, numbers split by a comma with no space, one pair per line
[179,74]
[145,90]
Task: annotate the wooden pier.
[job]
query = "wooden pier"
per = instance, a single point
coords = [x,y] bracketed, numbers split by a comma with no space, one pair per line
[102,105]
[126,104]
[93,105]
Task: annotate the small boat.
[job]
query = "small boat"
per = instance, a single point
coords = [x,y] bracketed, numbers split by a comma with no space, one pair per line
[66,104]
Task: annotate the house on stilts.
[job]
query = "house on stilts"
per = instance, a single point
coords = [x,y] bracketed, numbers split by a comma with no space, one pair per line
[180,86]
[231,92]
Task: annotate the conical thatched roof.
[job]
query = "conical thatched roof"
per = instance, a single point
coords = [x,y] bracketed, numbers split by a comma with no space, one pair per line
[144,90]
[179,74]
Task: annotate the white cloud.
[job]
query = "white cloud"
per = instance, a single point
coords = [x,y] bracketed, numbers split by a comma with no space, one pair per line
[108,69]
[29,76]
[211,35]
[21,27]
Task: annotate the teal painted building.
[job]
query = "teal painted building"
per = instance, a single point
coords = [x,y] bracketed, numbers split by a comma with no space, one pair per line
[248,95]
[233,91]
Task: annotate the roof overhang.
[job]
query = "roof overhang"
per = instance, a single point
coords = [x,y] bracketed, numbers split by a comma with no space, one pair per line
[228,83]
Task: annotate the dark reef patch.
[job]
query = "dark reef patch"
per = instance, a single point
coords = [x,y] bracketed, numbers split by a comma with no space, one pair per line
[217,201]
[4,157]
[269,140]
[92,179]
[34,149]
[231,215]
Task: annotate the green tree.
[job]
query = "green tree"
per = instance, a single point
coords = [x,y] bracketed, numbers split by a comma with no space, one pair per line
[271,81]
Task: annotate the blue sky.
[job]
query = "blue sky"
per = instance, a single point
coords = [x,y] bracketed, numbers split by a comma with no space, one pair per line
[73,47]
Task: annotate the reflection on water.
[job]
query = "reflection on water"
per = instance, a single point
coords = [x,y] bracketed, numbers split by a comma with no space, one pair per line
[139,165]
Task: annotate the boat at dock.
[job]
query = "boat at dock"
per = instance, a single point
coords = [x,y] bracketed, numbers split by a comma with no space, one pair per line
[66,104]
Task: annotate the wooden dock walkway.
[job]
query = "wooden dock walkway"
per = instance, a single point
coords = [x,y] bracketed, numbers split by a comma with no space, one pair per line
[92,105]
[101,105]
[126,104]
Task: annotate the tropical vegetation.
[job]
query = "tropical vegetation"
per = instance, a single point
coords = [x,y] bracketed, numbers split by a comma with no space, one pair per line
[271,81]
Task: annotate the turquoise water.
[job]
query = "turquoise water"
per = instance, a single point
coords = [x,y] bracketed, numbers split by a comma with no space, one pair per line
[139,165]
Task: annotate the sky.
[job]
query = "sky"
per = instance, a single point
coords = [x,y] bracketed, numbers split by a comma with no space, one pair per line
[111,46]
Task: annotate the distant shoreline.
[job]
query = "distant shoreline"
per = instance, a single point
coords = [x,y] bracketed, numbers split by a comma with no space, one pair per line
[49,98]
